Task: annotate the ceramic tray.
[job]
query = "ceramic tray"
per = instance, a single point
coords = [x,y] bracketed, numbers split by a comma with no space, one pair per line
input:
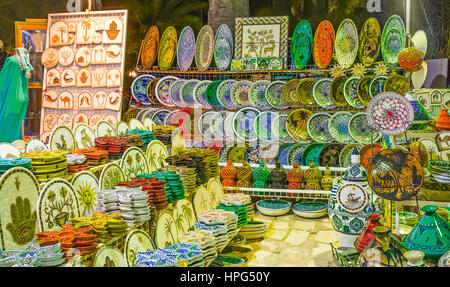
[310,209]
[346,44]
[323,45]
[167,48]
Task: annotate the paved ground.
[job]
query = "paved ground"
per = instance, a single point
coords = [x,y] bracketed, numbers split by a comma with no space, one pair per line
[292,241]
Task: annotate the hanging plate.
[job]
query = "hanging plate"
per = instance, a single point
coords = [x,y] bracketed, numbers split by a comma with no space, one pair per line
[137,241]
[167,48]
[295,154]
[337,91]
[317,127]
[85,185]
[204,48]
[239,93]
[162,91]
[110,176]
[376,85]
[166,233]
[160,116]
[329,155]
[362,90]
[289,92]
[133,163]
[390,113]
[393,39]
[274,95]
[35,145]
[395,174]
[323,46]
[62,138]
[345,156]
[105,129]
[351,93]
[263,125]
[302,44]
[418,77]
[352,197]
[19,190]
[346,44]
[187,93]
[296,124]
[151,93]
[257,95]
[109,256]
[237,154]
[57,204]
[150,47]
[311,153]
[322,93]
[200,94]
[243,126]
[366,153]
[184,215]
[224,94]
[369,42]
[156,155]
[84,136]
[175,93]
[360,130]
[420,41]
[139,88]
[225,31]
[304,92]
[397,84]
[279,129]
[283,153]
[222,53]
[185,49]
[218,125]
[122,128]
[211,95]
[338,126]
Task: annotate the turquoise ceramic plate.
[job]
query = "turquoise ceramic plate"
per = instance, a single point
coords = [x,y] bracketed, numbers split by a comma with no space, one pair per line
[302,44]
[312,153]
[211,95]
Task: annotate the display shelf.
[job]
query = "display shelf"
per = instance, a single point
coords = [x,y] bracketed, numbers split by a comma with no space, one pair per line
[423,203]
[281,193]
[272,166]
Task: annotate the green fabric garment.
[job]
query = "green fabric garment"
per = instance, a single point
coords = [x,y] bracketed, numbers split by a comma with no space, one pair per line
[13,100]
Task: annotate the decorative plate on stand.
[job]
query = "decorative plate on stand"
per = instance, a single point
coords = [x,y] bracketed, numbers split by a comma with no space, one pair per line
[329,155]
[110,176]
[215,189]
[62,138]
[222,53]
[295,154]
[351,92]
[317,127]
[224,94]
[35,145]
[366,153]
[175,93]
[200,94]
[122,128]
[274,95]
[346,44]
[167,48]
[393,39]
[376,85]
[139,89]
[185,49]
[240,93]
[390,113]
[244,123]
[109,256]
[312,153]
[370,39]
[184,214]
[133,163]
[166,233]
[338,126]
[211,95]
[156,155]
[162,91]
[204,48]
[302,44]
[362,90]
[345,157]
[263,125]
[360,130]
[323,45]
[322,93]
[137,241]
[296,124]
[84,136]
[105,129]
[337,91]
[86,187]
[257,95]
[304,92]
[279,129]
[187,92]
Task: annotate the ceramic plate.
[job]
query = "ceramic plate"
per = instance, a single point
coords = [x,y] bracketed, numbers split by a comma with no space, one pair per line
[211,95]
[224,94]
[393,39]
[237,154]
[366,153]
[134,124]
[283,153]
[137,241]
[84,136]
[166,233]
[225,32]
[187,92]
[167,48]
[105,129]
[244,121]
[351,93]
[289,92]
[337,91]
[317,127]
[240,93]
[85,185]
[62,138]
[323,46]
[229,126]
[156,155]
[362,90]
[263,125]
[352,197]
[311,153]
[279,128]
[204,48]
[200,94]
[150,47]
[360,130]
[204,125]
[160,116]
[184,215]
[35,145]
[369,42]
[217,125]
[8,150]
[185,49]
[122,128]
[346,44]
[215,189]
[322,93]
[302,44]
[376,85]
[201,200]
[222,53]
[338,126]
[139,88]
[110,176]
[109,256]
[175,93]
[295,154]
[296,124]
[133,163]
[390,113]
[329,155]
[397,84]
[274,95]
[420,41]
[418,77]
[304,92]
[151,92]
[345,157]
[162,91]
[257,95]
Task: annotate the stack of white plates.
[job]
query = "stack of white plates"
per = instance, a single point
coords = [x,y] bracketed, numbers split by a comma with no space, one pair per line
[254,230]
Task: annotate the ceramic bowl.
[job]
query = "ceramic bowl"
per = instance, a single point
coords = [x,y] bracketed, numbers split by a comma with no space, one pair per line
[407,218]
[415,257]
[310,209]
[273,207]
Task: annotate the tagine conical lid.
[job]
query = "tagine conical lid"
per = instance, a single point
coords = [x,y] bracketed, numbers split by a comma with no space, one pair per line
[421,115]
[431,234]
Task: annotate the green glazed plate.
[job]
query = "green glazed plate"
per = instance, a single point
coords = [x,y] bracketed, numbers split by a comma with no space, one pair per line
[318,127]
[338,127]
[211,95]
[302,44]
[109,256]
[274,95]
[263,125]
[312,153]
[351,93]
[322,93]
[360,130]
[279,128]
[376,85]
[167,48]
[362,90]
[393,39]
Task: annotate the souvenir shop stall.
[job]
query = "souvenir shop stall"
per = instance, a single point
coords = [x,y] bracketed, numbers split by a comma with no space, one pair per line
[223,127]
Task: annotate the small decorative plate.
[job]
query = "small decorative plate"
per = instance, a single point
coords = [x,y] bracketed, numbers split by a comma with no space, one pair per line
[167,48]
[139,88]
[85,185]
[366,153]
[62,138]
[49,58]
[122,128]
[224,94]
[133,163]
[204,48]
[362,90]
[211,94]
[397,84]
[185,49]
[263,125]
[302,44]
[376,85]
[312,153]
[244,123]
[289,92]
[135,124]
[217,125]
[337,91]
[295,154]
[352,197]
[279,129]
[110,176]
[166,233]
[329,155]
[317,127]
[200,94]
[240,93]
[222,53]
[369,42]
[109,256]
[296,124]
[338,126]
[35,145]
[346,44]
[151,93]
[159,117]
[393,39]
[257,95]
[304,92]
[351,93]
[84,136]
[137,241]
[156,155]
[390,113]
[283,153]
[360,130]
[323,45]
[105,129]
[187,92]
[274,95]
[345,157]
[322,93]
[237,154]
[162,91]
[149,50]
[175,93]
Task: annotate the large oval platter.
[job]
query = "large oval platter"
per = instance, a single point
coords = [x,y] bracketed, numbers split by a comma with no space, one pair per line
[346,44]
[167,48]
[323,45]
[369,42]
[302,44]
[185,49]
[151,42]
[204,48]
[393,39]
[222,53]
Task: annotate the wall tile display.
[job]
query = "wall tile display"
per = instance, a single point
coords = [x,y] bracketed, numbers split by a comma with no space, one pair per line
[259,37]
[83,69]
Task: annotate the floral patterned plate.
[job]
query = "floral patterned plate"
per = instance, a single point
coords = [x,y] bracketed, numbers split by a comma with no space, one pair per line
[337,91]
[136,241]
[109,256]
[244,121]
[274,95]
[200,94]
[311,153]
[204,48]
[240,93]
[397,84]
[263,125]
[133,163]
[162,91]
[345,157]
[279,128]
[151,92]
[350,92]
[217,125]
[393,39]
[362,90]
[62,138]
[160,116]
[338,126]
[222,53]
[317,127]
[187,92]
[257,95]
[224,94]
[185,49]
[295,154]
[211,95]
[346,44]
[86,187]
[360,130]
[175,93]
[289,92]
[296,124]
[304,92]
[139,88]
[329,155]
[322,93]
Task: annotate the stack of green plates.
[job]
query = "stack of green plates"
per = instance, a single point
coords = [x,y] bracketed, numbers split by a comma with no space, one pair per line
[239,210]
[147,136]
[176,186]
[8,163]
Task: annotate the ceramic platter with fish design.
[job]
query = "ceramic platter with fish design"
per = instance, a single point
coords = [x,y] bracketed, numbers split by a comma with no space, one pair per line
[243,123]
[302,43]
[369,42]
[317,127]
[338,126]
[150,47]
[323,45]
[139,89]
[204,48]
[393,39]
[162,91]
[167,48]
[185,49]
[346,44]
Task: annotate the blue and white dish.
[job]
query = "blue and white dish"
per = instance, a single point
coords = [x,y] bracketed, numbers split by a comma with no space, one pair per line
[310,209]
[139,89]
[273,207]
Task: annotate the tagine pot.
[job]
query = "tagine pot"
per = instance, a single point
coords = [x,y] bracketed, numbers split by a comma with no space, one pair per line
[443,121]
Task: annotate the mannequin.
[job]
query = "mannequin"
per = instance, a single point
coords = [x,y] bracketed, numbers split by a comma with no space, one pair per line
[14,79]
